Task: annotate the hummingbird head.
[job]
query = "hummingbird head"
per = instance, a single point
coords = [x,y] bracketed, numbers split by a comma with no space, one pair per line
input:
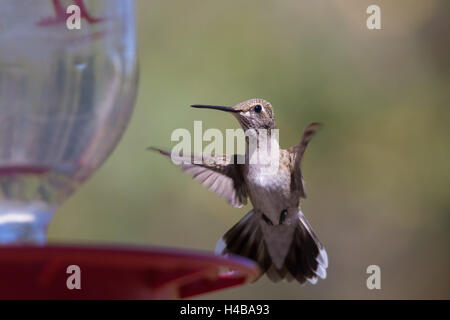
[251,114]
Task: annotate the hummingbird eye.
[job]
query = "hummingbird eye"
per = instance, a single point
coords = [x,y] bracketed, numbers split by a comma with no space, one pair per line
[258,108]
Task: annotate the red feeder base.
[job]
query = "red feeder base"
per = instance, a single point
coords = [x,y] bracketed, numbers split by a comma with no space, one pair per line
[33,272]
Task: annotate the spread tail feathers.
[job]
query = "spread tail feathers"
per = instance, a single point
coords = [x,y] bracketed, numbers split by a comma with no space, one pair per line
[305,260]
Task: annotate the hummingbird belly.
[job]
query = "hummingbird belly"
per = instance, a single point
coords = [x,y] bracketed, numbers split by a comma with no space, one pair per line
[270,193]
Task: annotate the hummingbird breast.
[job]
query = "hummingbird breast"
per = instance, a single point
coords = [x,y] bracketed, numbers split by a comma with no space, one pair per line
[270,189]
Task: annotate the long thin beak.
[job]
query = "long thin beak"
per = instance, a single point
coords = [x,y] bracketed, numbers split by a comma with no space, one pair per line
[204,106]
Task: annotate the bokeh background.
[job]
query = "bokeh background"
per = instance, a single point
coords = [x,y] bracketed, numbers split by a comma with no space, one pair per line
[378,176]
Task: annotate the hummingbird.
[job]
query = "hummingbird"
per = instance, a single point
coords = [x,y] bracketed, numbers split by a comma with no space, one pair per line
[275,233]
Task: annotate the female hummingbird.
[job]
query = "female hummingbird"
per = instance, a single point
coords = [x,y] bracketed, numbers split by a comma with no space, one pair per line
[275,233]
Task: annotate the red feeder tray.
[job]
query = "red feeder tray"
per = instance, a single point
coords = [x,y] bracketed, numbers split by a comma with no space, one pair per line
[41,272]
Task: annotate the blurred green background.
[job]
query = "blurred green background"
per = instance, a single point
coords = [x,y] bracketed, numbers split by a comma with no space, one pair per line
[377,175]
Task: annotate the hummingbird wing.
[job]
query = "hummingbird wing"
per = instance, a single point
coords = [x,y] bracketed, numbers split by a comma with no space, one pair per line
[222,176]
[297,152]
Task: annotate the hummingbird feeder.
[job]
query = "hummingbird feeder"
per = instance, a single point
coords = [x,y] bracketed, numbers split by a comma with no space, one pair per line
[67,91]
